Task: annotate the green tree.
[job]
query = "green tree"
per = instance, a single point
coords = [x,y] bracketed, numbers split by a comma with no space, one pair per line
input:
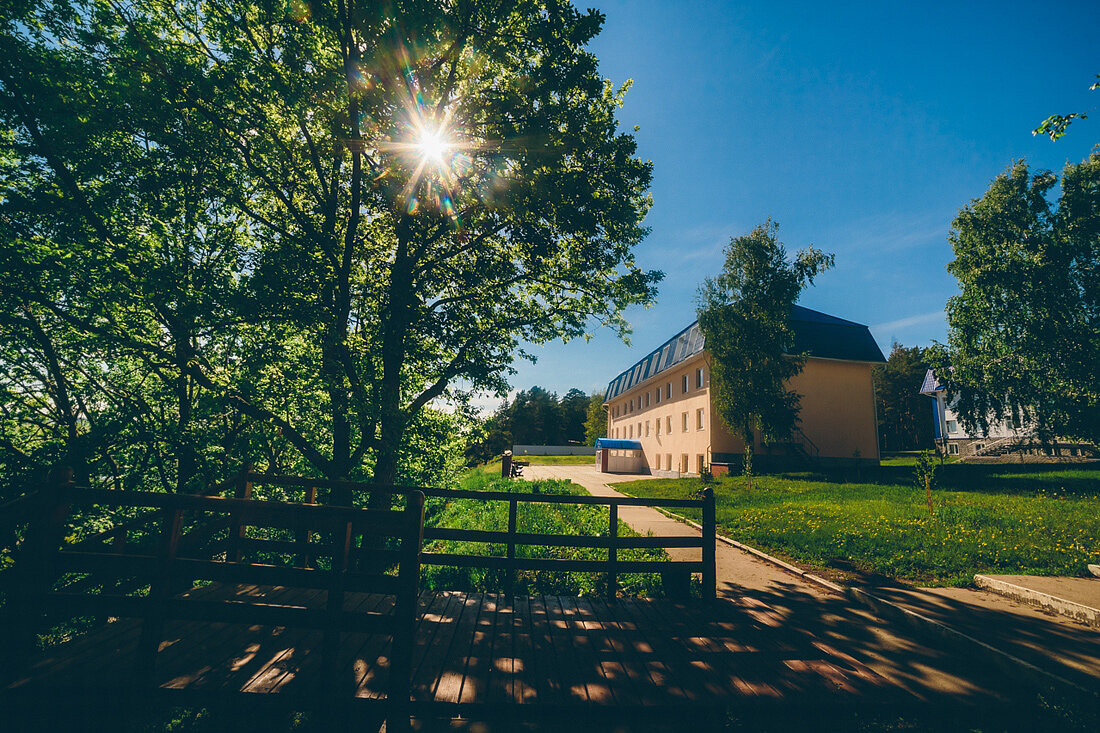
[904,416]
[574,412]
[595,421]
[744,314]
[412,189]
[1024,338]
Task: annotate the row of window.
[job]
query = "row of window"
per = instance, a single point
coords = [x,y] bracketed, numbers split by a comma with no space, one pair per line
[685,387]
[628,431]
[663,462]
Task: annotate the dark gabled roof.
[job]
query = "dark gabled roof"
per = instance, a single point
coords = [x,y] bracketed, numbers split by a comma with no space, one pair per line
[817,334]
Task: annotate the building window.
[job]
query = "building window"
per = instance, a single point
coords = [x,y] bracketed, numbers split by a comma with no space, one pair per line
[668,461]
[699,419]
[684,421]
[699,378]
[699,464]
[631,431]
[978,446]
[658,427]
[952,449]
[632,405]
[658,395]
[639,428]
[952,426]
[647,428]
[668,391]
[669,431]
[683,463]
[684,384]
[647,399]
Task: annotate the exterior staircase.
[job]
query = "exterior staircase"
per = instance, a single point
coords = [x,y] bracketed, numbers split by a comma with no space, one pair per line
[801,448]
[1002,446]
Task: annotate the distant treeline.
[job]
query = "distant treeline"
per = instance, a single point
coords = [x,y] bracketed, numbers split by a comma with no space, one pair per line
[538,417]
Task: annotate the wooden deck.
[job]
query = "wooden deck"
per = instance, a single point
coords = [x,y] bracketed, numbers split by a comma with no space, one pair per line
[474,652]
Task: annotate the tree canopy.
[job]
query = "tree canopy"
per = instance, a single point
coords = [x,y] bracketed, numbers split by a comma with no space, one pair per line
[744,314]
[533,417]
[595,421]
[281,232]
[1024,338]
[905,417]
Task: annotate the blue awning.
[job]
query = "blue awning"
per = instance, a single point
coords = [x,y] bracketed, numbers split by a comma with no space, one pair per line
[616,444]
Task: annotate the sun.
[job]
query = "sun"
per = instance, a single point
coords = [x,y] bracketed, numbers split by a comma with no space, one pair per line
[432,145]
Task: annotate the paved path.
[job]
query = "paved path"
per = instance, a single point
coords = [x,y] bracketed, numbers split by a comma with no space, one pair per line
[779,597]
[737,570]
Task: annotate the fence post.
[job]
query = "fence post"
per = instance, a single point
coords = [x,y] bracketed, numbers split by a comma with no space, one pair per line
[510,577]
[236,531]
[33,578]
[341,556]
[152,626]
[710,577]
[405,610]
[613,553]
[305,536]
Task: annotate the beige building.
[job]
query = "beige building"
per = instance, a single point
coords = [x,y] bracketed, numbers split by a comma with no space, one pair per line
[664,402]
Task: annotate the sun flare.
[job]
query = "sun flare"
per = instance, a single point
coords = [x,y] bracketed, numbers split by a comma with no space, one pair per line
[432,145]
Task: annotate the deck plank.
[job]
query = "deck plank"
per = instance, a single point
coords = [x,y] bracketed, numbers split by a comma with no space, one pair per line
[451,670]
[648,646]
[588,665]
[553,673]
[501,672]
[434,612]
[692,675]
[599,640]
[525,666]
[480,657]
[372,659]
[476,649]
[621,640]
[296,672]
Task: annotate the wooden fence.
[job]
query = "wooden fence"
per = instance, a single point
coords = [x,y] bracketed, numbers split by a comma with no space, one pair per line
[138,567]
[613,542]
[202,538]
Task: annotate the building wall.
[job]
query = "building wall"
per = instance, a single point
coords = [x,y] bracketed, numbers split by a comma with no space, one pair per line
[622,422]
[838,408]
[838,415]
[952,427]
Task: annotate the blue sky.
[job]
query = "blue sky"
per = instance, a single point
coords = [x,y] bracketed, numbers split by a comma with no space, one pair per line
[862,128]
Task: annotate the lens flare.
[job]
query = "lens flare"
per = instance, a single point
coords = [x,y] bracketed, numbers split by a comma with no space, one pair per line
[433,146]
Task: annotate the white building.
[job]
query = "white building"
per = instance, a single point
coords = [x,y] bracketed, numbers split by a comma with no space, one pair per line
[1002,438]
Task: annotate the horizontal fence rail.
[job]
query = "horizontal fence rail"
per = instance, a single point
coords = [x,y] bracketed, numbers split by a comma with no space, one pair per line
[512,538]
[184,538]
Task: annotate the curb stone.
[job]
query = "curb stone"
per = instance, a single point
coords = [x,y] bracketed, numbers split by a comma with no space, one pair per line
[827,585]
[1070,609]
[1095,570]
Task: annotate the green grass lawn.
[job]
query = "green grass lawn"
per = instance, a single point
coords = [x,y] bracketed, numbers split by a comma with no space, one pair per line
[1039,519]
[586,520]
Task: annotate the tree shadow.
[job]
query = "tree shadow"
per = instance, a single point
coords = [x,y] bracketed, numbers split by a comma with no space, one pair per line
[1023,479]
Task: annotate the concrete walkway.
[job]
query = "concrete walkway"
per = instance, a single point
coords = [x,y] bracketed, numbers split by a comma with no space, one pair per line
[932,673]
[736,570]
